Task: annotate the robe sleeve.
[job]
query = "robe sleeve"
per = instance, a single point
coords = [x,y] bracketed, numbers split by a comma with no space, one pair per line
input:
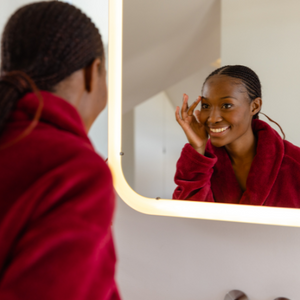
[193,174]
[65,250]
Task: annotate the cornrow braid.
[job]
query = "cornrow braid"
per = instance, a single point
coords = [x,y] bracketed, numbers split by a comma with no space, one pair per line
[246,75]
[48,41]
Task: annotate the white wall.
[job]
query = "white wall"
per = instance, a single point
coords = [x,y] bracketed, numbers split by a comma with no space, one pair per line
[99,133]
[264,35]
[158,143]
[166,258]
[97,10]
[8,7]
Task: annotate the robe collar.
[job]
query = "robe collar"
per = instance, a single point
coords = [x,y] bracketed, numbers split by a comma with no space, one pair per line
[263,172]
[56,111]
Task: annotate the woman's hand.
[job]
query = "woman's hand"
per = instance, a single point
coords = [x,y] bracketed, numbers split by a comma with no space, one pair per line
[190,123]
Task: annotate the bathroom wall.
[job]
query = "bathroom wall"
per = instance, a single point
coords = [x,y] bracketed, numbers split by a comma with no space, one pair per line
[185,259]
[7,7]
[158,142]
[264,35]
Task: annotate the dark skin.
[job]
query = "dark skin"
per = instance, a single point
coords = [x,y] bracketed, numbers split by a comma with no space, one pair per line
[86,90]
[226,116]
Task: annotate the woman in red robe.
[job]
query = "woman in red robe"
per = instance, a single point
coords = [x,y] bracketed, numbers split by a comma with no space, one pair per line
[245,161]
[56,193]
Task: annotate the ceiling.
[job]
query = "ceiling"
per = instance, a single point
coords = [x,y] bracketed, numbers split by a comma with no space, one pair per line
[168,46]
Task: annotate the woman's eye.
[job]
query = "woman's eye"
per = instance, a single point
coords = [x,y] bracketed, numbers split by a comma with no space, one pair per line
[227,105]
[204,106]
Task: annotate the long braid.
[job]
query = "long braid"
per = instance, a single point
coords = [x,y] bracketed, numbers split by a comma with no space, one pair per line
[249,79]
[48,41]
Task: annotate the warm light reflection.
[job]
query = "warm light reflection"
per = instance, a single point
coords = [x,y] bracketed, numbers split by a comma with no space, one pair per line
[164,207]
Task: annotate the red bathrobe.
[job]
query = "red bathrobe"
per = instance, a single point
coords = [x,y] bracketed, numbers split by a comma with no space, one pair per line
[56,207]
[273,180]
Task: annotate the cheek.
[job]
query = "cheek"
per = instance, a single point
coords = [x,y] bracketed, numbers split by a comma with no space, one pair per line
[102,93]
[203,117]
[103,98]
[241,119]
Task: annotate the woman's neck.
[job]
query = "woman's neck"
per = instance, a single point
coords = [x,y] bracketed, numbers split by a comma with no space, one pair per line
[241,154]
[242,151]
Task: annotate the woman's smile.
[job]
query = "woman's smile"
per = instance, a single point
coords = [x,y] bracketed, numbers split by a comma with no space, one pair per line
[218,131]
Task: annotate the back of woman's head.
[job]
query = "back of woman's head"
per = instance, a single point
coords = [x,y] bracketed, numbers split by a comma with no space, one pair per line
[248,78]
[48,41]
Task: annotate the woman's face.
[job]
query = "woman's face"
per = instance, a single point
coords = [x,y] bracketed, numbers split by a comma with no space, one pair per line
[226,111]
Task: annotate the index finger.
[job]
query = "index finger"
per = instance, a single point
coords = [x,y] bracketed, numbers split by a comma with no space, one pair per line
[193,106]
[185,105]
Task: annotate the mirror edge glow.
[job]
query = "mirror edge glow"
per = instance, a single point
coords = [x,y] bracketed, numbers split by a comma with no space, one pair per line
[165,207]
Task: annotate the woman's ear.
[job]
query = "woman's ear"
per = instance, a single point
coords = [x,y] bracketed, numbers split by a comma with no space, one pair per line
[255,106]
[91,73]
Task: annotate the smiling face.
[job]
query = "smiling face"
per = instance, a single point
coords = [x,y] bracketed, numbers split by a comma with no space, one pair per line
[226,110]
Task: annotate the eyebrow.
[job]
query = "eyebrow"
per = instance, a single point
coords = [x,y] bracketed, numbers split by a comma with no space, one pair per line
[228,97]
[225,97]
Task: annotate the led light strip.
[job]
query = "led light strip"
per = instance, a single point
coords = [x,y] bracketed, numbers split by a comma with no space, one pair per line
[165,207]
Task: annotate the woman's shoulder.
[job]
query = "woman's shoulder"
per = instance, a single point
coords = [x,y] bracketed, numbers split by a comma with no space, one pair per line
[290,147]
[291,152]
[75,150]
[48,148]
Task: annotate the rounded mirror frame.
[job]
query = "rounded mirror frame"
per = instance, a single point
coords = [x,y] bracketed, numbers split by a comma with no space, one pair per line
[167,207]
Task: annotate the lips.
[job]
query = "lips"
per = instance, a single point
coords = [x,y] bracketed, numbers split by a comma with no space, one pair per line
[218,130]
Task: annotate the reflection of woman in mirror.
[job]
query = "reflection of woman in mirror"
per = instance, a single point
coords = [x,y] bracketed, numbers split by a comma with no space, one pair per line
[245,161]
[56,193]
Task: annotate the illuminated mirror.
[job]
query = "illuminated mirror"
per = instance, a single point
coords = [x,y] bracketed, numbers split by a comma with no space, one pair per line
[167,207]
[193,29]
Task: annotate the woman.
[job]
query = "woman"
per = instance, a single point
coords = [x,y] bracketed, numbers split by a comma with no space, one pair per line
[56,194]
[245,161]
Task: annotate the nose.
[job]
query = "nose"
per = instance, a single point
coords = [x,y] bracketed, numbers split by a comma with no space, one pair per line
[214,116]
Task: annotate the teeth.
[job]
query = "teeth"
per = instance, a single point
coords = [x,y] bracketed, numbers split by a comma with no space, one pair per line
[219,129]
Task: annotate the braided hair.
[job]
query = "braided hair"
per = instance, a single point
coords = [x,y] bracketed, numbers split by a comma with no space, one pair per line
[47,41]
[248,77]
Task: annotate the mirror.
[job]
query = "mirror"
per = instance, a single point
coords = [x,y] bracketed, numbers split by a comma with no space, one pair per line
[167,207]
[169,49]
[202,19]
